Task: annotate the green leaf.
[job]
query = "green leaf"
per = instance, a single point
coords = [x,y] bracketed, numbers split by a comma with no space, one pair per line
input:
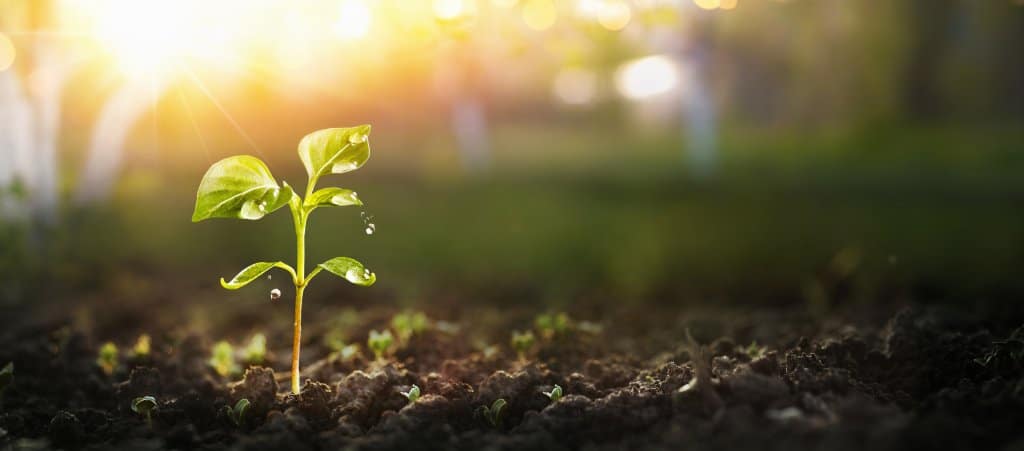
[329,197]
[252,272]
[350,270]
[335,150]
[239,187]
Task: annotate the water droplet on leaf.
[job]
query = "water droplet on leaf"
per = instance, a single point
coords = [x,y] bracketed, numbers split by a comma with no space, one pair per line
[357,138]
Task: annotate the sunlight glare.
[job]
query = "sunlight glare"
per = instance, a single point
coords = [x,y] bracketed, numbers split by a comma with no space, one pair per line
[647,77]
[354,20]
[7,52]
[540,14]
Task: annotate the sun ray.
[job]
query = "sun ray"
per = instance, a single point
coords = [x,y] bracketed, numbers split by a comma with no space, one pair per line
[195,125]
[238,127]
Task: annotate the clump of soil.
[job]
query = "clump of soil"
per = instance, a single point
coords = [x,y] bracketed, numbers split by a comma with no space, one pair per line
[918,381]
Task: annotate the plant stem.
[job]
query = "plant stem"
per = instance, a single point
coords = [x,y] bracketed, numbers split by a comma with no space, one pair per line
[300,287]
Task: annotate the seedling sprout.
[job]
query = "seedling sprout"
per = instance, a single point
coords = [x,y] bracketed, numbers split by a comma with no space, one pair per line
[522,342]
[222,359]
[552,324]
[242,187]
[142,347]
[256,351]
[145,406]
[379,343]
[413,394]
[236,414]
[555,394]
[408,323]
[493,413]
[107,358]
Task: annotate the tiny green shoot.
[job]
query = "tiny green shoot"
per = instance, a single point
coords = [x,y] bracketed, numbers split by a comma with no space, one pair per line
[555,394]
[236,414]
[222,359]
[6,377]
[379,343]
[256,351]
[107,358]
[413,394]
[552,324]
[142,347]
[242,187]
[408,323]
[493,413]
[522,342]
[145,406]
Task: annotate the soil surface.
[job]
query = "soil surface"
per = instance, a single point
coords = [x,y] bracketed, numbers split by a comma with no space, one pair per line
[921,379]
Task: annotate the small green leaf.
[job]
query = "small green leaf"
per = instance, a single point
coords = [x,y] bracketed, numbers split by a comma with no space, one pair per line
[253,272]
[143,405]
[335,150]
[6,376]
[333,197]
[350,270]
[239,187]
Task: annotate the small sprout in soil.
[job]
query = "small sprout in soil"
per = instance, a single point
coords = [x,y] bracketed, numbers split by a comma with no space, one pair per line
[256,351]
[222,359]
[552,324]
[409,323]
[754,350]
[142,347]
[493,413]
[145,406]
[413,394]
[522,342]
[107,359]
[242,187]
[555,394]
[379,343]
[340,351]
[237,414]
[6,377]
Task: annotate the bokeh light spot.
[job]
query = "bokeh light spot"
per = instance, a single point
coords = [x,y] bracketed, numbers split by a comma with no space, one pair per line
[7,52]
[647,77]
[614,15]
[540,14]
[708,4]
[575,86]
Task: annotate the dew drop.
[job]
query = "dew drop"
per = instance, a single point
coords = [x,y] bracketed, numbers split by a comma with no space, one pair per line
[357,138]
[275,294]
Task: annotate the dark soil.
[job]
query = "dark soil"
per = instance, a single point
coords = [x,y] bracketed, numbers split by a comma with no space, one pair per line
[921,380]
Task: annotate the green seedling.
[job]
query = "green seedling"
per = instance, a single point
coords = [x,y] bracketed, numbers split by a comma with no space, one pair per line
[340,350]
[145,406]
[493,413]
[413,394]
[407,324]
[142,347]
[552,324]
[379,343]
[242,187]
[6,377]
[522,342]
[555,394]
[754,350]
[222,359]
[256,351]
[237,414]
[107,359]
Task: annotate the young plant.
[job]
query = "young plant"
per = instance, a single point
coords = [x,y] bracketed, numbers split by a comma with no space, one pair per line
[107,358]
[522,342]
[242,187]
[237,414]
[142,347]
[222,359]
[552,324]
[408,323]
[6,377]
[493,414]
[555,394]
[256,351]
[379,343]
[413,394]
[339,350]
[145,406]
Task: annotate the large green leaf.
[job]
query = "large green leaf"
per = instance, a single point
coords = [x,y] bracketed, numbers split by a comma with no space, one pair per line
[335,150]
[253,272]
[350,270]
[329,197]
[239,187]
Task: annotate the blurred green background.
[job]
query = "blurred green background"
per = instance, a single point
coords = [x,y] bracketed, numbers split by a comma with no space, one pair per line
[862,155]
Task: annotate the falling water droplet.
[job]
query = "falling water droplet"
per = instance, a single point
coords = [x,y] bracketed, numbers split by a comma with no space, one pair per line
[275,294]
[370,228]
[270,276]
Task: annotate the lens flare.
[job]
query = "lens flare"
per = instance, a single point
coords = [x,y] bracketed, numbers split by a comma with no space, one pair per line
[647,77]
[354,20]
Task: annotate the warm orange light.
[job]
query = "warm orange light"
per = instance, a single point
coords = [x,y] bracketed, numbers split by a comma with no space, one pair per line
[708,4]
[728,4]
